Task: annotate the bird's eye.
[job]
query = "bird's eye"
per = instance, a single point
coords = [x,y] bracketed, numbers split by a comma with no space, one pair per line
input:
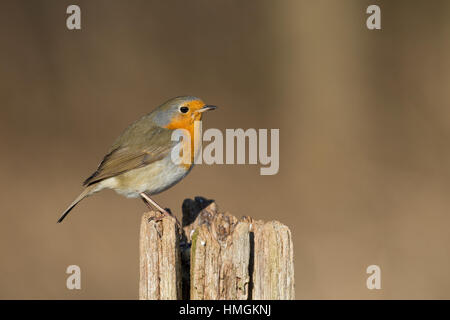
[184,109]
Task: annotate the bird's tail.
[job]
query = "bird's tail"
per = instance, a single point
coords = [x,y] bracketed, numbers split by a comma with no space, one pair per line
[87,192]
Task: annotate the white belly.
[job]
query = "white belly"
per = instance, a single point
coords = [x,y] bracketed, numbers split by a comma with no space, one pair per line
[151,179]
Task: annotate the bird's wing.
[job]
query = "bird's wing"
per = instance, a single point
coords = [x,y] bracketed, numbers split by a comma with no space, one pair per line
[151,146]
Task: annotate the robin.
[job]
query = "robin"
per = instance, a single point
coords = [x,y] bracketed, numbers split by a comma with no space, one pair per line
[139,163]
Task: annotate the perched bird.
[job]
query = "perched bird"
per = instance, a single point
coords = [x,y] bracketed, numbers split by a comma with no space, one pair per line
[139,163]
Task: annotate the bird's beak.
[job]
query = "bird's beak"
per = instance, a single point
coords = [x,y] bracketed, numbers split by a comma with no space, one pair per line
[206,107]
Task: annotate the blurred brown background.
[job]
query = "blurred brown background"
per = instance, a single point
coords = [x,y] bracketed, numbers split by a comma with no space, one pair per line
[364,124]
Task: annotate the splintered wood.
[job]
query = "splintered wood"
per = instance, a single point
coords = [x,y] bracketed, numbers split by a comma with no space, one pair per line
[216,257]
[160,267]
[220,251]
[273,269]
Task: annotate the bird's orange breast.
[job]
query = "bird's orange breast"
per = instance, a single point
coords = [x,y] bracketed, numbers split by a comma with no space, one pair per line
[187,123]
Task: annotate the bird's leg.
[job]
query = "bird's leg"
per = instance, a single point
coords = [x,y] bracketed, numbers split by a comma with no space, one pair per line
[148,201]
[149,206]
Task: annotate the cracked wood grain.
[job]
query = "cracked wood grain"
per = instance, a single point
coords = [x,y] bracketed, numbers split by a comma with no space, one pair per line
[160,267]
[217,257]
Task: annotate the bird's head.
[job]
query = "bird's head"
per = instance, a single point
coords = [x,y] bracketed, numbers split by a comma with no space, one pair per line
[180,112]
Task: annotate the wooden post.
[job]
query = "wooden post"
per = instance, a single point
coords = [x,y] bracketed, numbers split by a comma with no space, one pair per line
[160,267]
[273,266]
[216,257]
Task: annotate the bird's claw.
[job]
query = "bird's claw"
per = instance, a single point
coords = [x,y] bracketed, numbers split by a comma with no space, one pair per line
[163,215]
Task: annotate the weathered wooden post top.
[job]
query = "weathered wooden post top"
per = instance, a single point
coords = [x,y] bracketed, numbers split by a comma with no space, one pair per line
[215,256]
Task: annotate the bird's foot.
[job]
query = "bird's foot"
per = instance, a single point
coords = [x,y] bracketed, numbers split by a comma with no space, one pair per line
[166,213]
